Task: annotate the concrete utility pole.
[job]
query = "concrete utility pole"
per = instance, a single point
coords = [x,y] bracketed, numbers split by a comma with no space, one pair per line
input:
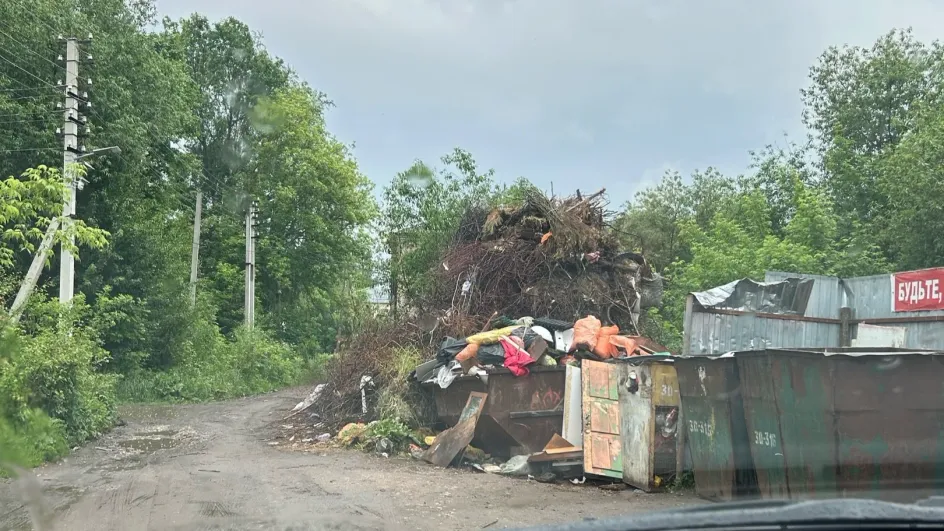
[250,302]
[32,276]
[70,144]
[195,258]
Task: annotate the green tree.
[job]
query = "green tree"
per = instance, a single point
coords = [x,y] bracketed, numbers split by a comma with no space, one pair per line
[314,248]
[861,102]
[421,212]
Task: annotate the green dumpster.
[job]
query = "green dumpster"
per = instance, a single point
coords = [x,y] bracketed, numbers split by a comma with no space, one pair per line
[845,422]
[716,429]
[787,407]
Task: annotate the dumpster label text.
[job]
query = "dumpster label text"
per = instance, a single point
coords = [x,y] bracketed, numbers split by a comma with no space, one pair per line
[698,426]
[765,438]
[915,291]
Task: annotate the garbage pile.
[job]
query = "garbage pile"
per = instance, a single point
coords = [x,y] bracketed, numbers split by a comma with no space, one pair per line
[549,257]
[527,341]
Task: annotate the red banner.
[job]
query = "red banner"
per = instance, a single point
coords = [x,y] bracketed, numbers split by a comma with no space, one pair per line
[915,291]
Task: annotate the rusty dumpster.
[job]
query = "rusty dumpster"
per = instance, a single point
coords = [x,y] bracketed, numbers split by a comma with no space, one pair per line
[630,419]
[716,431]
[845,422]
[521,414]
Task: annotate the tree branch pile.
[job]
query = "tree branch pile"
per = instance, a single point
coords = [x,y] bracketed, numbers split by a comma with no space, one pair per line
[550,257]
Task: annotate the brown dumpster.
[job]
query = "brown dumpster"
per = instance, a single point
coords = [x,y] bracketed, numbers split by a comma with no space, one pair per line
[521,413]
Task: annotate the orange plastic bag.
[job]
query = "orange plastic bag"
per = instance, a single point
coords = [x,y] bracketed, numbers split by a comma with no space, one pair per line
[604,348]
[468,352]
[627,344]
[586,331]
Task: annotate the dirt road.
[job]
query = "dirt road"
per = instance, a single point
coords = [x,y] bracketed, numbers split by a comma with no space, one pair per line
[213,466]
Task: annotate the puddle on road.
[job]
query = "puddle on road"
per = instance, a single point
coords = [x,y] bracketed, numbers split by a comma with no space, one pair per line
[149,444]
[152,439]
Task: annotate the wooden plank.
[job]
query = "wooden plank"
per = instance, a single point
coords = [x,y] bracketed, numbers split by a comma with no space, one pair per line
[451,442]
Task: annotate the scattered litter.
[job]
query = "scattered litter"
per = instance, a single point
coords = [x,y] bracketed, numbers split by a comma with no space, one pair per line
[308,401]
[490,524]
[384,446]
[324,437]
[516,466]
[580,481]
[351,433]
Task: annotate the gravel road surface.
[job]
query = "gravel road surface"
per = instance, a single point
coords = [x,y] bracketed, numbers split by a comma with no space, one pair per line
[215,466]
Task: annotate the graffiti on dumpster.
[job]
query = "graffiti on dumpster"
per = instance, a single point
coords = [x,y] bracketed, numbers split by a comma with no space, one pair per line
[915,291]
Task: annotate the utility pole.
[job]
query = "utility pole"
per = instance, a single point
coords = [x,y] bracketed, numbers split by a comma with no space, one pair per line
[250,303]
[195,258]
[70,144]
[32,276]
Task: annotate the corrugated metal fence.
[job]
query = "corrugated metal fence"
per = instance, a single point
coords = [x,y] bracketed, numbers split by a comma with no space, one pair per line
[868,299]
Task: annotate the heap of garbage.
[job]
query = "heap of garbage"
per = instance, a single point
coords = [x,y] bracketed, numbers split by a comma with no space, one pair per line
[548,257]
[540,283]
[528,341]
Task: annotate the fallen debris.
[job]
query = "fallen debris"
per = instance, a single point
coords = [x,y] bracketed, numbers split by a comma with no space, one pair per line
[451,442]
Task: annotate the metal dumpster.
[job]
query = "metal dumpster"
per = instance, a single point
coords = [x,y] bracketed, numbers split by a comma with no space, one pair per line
[713,417]
[630,419]
[845,422]
[521,413]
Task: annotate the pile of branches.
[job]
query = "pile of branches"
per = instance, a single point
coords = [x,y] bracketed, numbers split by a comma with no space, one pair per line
[386,352]
[549,257]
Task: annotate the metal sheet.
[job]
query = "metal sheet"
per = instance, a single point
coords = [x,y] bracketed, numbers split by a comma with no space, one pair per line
[715,427]
[762,417]
[636,420]
[601,419]
[857,422]
[880,336]
[870,298]
[712,334]
[573,411]
[889,425]
[788,296]
[451,442]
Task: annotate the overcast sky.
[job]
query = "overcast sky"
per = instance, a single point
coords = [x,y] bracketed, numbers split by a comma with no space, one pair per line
[578,93]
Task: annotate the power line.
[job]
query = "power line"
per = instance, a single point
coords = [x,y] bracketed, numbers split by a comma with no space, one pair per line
[25,150]
[36,17]
[29,49]
[41,80]
[22,98]
[44,120]
[27,89]
[29,114]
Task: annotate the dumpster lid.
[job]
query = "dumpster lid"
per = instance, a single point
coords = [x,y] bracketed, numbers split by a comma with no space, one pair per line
[845,351]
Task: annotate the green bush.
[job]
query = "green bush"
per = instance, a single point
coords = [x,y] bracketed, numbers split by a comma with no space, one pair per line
[55,372]
[50,395]
[253,362]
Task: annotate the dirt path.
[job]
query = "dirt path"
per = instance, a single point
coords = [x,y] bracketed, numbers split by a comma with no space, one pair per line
[210,466]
